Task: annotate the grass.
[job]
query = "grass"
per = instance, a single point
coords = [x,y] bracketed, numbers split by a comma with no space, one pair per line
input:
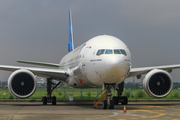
[86,94]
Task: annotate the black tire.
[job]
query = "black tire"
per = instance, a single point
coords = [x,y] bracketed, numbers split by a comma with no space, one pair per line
[44,100]
[124,100]
[111,104]
[116,100]
[53,100]
[104,104]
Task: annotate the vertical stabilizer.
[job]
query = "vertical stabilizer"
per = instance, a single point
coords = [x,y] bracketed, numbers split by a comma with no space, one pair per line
[71,44]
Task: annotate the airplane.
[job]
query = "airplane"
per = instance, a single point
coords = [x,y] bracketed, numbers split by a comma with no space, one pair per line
[102,62]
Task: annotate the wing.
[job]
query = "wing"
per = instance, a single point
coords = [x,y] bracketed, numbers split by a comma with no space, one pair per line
[144,70]
[39,63]
[58,74]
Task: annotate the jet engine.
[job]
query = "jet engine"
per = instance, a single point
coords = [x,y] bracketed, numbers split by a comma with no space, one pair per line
[22,83]
[158,83]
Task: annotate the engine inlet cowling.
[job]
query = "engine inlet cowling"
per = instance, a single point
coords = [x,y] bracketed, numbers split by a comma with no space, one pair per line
[158,83]
[22,83]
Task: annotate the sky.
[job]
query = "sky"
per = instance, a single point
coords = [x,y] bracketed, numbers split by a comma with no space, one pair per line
[37,30]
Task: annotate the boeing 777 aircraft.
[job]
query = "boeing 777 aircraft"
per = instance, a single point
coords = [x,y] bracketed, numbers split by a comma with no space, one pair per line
[103,61]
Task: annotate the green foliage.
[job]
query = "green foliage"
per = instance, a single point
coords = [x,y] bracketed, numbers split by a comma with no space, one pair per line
[126,93]
[60,93]
[173,95]
[139,94]
[89,94]
[36,96]
[11,97]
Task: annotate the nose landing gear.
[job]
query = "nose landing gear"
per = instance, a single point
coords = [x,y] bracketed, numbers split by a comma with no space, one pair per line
[106,97]
[108,103]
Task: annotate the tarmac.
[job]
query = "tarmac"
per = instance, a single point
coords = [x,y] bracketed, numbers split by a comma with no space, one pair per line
[86,111]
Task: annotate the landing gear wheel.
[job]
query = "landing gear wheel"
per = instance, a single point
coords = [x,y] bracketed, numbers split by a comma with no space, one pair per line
[124,100]
[116,100]
[105,104]
[50,89]
[111,104]
[53,100]
[44,100]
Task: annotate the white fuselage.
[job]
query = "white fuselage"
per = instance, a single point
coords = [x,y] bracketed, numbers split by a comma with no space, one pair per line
[88,68]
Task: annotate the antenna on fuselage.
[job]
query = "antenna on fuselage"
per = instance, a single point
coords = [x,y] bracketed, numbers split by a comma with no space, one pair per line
[71,44]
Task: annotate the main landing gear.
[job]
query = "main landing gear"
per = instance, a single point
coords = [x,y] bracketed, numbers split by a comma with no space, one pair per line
[49,92]
[108,103]
[119,98]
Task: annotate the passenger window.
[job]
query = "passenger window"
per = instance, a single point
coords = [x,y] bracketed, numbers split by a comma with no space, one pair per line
[117,51]
[123,52]
[108,52]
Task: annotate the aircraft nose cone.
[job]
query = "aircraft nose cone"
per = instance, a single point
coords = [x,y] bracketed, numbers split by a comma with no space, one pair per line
[113,63]
[115,69]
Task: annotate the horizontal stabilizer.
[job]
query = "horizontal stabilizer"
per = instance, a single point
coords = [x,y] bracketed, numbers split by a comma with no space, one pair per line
[39,63]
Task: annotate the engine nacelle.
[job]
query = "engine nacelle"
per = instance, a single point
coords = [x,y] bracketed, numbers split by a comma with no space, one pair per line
[158,83]
[22,83]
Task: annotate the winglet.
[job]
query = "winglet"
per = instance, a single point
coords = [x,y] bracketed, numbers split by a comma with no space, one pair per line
[71,44]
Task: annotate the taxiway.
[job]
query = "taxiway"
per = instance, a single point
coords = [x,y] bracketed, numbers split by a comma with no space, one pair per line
[85,111]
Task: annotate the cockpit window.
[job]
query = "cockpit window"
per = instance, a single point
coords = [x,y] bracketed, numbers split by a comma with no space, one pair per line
[100,52]
[117,51]
[109,51]
[123,52]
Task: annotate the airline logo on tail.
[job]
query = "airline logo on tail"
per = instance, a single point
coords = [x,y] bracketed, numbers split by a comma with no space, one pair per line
[71,44]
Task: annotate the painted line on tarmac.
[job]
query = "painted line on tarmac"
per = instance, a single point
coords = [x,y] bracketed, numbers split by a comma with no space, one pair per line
[157,112]
[150,111]
[165,107]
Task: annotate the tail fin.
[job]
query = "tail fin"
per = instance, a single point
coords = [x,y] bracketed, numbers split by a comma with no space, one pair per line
[71,44]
